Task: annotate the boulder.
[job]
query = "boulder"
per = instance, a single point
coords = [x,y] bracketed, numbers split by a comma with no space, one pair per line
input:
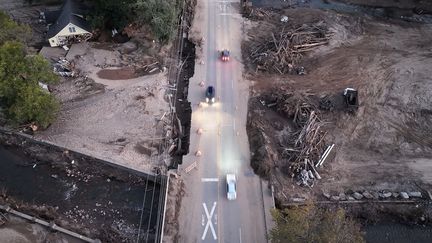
[357,196]
[374,194]
[387,194]
[404,195]
[395,194]
[367,195]
[342,196]
[327,195]
[351,198]
[298,199]
[335,198]
[414,194]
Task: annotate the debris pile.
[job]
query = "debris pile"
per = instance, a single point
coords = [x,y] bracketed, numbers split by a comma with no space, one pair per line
[64,68]
[148,69]
[304,145]
[281,50]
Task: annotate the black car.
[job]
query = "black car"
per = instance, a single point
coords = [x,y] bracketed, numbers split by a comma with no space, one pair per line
[210,94]
[225,55]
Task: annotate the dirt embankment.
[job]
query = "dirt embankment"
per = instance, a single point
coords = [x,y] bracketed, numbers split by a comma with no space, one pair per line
[184,113]
[383,146]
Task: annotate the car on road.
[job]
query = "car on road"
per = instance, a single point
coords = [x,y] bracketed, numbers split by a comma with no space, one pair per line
[225,55]
[210,94]
[231,186]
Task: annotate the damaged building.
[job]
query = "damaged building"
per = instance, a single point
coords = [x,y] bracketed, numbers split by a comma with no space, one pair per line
[67,25]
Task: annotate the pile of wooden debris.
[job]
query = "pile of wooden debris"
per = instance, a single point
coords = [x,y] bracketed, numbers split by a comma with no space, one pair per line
[304,146]
[280,50]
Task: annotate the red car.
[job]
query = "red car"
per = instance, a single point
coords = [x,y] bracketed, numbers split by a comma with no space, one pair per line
[225,55]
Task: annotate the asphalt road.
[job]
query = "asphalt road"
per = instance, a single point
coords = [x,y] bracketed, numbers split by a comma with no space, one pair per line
[206,214]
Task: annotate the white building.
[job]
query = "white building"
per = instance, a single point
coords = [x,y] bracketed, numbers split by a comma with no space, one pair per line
[69,26]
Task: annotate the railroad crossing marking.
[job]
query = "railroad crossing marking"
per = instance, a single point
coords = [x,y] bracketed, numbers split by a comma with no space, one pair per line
[209,222]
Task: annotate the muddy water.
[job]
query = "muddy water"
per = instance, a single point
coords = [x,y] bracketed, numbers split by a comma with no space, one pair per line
[104,203]
[398,233]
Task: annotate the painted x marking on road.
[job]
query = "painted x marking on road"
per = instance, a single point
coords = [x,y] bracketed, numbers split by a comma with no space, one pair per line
[209,222]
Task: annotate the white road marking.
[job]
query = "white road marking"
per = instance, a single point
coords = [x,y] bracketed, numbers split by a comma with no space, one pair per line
[202,219]
[240,235]
[232,84]
[209,222]
[216,220]
[209,179]
[234,124]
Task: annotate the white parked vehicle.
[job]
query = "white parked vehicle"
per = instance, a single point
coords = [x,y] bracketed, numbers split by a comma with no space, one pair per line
[231,186]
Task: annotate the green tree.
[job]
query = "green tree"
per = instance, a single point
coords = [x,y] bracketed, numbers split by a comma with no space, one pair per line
[112,13]
[10,30]
[310,224]
[34,104]
[161,15]
[20,93]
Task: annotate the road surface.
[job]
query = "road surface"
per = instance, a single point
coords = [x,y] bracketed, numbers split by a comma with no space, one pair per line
[206,214]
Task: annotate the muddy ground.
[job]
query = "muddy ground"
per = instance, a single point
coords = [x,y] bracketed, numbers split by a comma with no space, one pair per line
[120,85]
[78,192]
[384,145]
[107,95]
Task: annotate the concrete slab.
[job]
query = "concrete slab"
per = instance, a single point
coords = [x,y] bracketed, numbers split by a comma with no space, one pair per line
[52,54]
[77,49]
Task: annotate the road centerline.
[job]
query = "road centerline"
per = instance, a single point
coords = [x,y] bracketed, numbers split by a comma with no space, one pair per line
[209,179]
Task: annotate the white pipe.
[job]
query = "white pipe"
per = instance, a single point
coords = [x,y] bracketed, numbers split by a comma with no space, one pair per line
[325,157]
[322,156]
[164,212]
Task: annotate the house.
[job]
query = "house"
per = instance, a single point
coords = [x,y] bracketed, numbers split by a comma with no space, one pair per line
[66,25]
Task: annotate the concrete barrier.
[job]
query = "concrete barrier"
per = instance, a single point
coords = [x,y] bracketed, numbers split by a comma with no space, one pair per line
[50,225]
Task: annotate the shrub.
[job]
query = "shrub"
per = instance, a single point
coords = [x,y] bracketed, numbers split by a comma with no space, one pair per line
[311,224]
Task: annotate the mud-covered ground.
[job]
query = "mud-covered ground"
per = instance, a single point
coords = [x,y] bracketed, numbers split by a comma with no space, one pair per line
[118,87]
[77,192]
[385,144]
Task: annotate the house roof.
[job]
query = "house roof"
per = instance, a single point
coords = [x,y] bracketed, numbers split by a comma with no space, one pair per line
[51,16]
[69,14]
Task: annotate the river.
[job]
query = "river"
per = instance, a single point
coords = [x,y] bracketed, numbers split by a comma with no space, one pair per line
[97,202]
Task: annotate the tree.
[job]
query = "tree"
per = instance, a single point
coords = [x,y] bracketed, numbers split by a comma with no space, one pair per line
[20,93]
[310,224]
[161,15]
[10,30]
[34,104]
[112,13]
